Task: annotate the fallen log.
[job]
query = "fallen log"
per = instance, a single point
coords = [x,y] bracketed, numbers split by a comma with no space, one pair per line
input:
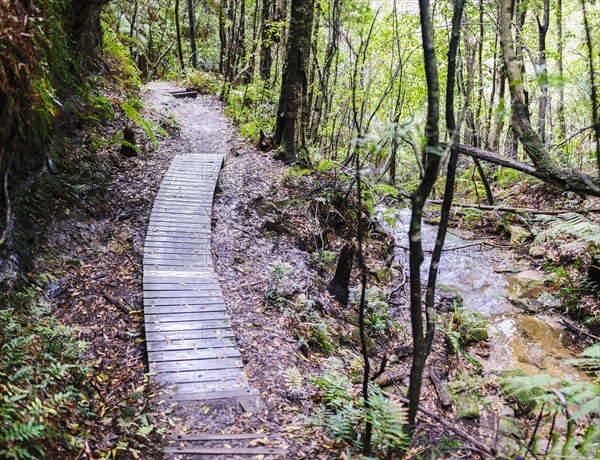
[566,179]
[487,207]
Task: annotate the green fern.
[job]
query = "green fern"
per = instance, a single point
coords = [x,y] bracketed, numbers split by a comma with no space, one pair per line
[293,378]
[569,223]
[150,128]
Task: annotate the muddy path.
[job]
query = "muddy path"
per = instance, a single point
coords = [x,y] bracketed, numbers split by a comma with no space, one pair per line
[243,257]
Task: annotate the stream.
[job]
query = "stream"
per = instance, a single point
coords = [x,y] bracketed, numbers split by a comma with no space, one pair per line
[486,278]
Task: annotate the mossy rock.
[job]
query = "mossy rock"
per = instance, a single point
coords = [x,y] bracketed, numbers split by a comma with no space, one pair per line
[370,344]
[508,426]
[447,298]
[384,276]
[466,405]
[525,400]
[473,325]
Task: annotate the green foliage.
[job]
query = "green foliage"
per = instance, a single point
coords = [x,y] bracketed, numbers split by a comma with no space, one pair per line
[281,287]
[203,82]
[252,108]
[575,400]
[130,109]
[572,224]
[377,312]
[323,260]
[117,57]
[344,416]
[40,380]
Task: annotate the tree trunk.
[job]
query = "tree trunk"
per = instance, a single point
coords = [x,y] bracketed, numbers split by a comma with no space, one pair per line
[192,33]
[266,40]
[529,138]
[178,32]
[594,89]
[288,132]
[560,107]
[543,102]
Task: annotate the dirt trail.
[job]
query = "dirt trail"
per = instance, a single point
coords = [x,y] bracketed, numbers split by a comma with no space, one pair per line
[243,257]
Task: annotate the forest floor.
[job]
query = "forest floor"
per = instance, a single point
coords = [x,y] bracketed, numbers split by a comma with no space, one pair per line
[269,223]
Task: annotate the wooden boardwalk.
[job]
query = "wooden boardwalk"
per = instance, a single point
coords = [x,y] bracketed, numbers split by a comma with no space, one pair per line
[191,346]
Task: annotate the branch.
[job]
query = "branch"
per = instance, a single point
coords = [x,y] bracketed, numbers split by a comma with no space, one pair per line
[7,208]
[566,179]
[442,421]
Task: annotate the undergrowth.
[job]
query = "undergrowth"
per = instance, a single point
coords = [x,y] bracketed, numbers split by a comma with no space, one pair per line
[42,381]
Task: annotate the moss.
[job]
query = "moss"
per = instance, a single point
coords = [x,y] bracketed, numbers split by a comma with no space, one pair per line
[472,325]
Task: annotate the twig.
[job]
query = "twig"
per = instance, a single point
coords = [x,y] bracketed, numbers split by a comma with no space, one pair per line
[7,208]
[575,327]
[460,433]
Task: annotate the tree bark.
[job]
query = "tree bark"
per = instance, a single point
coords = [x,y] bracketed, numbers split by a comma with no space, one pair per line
[594,89]
[532,143]
[178,31]
[288,129]
[560,107]
[192,33]
[543,102]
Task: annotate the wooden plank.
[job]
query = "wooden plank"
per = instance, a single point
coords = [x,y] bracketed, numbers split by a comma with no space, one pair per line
[190,344]
[176,245]
[176,250]
[205,381]
[195,365]
[185,302]
[184,294]
[182,318]
[217,436]
[199,396]
[174,386]
[196,286]
[197,274]
[207,277]
[225,451]
[207,333]
[183,309]
[195,354]
[197,325]
[197,391]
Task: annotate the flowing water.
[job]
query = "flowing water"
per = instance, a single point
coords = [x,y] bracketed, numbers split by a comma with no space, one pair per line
[486,278]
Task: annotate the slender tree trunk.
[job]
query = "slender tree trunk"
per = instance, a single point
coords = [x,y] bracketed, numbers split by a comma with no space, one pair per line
[560,107]
[422,340]
[192,33]
[594,89]
[543,102]
[222,36]
[330,53]
[178,32]
[288,129]
[266,40]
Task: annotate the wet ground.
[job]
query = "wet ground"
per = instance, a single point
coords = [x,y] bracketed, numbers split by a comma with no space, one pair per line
[494,284]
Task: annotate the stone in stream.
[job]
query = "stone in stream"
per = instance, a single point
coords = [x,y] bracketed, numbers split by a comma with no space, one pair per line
[518,234]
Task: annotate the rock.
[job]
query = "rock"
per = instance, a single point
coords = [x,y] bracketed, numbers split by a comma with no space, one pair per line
[508,426]
[518,234]
[447,299]
[473,325]
[384,276]
[548,300]
[467,406]
[537,250]
[507,411]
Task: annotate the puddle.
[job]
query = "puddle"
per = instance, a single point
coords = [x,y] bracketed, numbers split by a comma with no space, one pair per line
[535,344]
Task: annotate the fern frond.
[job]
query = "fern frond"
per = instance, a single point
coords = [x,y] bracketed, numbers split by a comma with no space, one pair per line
[569,223]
